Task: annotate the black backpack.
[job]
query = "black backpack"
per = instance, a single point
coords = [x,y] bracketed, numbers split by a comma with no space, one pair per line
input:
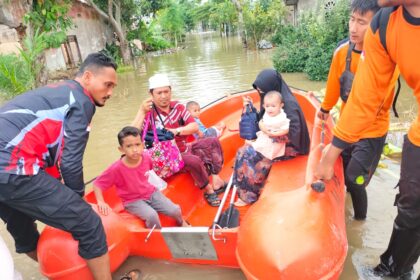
[380,22]
[346,78]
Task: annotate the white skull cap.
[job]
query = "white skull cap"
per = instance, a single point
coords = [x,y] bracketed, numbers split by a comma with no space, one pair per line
[159,80]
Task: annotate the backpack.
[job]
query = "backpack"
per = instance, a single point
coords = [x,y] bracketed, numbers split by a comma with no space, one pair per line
[346,78]
[382,25]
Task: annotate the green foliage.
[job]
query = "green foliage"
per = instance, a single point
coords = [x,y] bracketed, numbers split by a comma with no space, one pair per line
[262,18]
[52,18]
[18,73]
[112,50]
[309,46]
[172,22]
[33,47]
[217,14]
[14,78]
[151,36]
[151,6]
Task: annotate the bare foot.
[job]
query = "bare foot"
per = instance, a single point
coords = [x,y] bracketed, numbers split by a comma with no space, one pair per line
[240,203]
[217,182]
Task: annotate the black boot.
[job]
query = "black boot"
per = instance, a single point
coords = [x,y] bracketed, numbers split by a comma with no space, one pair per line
[402,253]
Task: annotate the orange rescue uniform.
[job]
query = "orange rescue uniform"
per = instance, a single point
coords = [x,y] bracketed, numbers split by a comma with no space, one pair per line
[367,113]
[338,65]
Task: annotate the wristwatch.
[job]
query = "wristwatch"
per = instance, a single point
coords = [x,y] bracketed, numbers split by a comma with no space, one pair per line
[178,131]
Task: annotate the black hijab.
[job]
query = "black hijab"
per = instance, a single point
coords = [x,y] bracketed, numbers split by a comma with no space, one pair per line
[268,80]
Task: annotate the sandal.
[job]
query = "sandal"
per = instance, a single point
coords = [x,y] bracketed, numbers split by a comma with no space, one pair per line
[212,199]
[133,274]
[221,189]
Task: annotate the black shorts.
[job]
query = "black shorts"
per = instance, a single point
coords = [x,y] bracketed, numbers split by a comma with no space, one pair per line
[24,199]
[361,159]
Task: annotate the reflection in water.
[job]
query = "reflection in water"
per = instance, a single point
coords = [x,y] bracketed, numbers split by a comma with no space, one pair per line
[208,68]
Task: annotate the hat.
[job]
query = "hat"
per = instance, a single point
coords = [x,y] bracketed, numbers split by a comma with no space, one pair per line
[159,80]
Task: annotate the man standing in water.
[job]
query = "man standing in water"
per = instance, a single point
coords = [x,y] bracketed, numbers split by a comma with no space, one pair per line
[382,54]
[43,128]
[361,158]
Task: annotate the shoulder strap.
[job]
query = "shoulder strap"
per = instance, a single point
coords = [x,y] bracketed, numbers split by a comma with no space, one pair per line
[157,112]
[385,13]
[348,57]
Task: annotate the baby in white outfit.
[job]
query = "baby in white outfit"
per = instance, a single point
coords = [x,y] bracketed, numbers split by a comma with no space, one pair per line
[274,126]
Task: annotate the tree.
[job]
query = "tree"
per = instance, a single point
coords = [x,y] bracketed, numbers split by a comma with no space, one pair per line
[49,22]
[113,16]
[172,21]
[263,18]
[241,25]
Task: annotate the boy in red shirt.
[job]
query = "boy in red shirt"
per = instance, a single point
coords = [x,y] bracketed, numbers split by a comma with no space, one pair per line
[130,177]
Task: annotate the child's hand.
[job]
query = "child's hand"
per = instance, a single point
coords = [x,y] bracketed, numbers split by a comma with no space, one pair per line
[104,208]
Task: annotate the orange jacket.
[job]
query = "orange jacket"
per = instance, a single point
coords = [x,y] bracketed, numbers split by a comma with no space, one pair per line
[338,65]
[367,111]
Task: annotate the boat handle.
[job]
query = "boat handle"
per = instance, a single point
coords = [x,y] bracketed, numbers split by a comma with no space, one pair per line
[213,232]
[150,233]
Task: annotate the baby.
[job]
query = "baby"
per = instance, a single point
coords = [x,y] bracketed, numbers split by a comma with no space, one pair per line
[274,127]
[214,131]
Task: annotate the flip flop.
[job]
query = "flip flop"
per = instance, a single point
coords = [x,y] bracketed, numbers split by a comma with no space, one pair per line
[221,189]
[212,199]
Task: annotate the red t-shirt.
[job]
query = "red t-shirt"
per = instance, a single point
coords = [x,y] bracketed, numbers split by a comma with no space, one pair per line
[178,116]
[130,182]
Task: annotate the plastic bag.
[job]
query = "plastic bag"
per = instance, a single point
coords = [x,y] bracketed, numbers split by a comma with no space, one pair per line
[155,180]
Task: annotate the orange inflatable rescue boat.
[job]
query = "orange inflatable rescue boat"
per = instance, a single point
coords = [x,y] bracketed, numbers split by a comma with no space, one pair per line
[294,231]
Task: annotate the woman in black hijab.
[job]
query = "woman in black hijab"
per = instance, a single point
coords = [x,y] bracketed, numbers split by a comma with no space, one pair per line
[268,80]
[251,167]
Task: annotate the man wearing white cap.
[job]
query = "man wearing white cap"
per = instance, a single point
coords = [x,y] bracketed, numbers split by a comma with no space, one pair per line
[179,121]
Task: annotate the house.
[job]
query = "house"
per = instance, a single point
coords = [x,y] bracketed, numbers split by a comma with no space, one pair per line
[297,6]
[89,34]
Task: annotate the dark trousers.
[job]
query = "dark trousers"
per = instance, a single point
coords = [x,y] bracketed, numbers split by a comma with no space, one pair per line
[24,199]
[404,246]
[360,161]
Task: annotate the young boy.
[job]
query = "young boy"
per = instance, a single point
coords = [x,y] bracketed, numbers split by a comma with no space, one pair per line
[129,175]
[214,131]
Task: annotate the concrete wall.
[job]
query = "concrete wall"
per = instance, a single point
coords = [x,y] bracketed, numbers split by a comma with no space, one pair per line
[91,31]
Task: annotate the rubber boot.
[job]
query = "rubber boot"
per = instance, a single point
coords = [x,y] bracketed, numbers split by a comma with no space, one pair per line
[402,253]
[360,202]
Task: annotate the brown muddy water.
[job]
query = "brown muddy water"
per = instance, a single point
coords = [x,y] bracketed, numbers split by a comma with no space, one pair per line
[208,68]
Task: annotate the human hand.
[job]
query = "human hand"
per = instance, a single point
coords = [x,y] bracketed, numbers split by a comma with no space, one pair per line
[104,208]
[246,100]
[323,116]
[325,168]
[147,104]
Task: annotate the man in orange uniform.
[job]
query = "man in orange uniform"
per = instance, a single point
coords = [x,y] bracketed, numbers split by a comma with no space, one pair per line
[361,158]
[366,108]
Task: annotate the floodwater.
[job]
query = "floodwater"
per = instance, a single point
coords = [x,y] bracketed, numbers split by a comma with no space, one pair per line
[209,68]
